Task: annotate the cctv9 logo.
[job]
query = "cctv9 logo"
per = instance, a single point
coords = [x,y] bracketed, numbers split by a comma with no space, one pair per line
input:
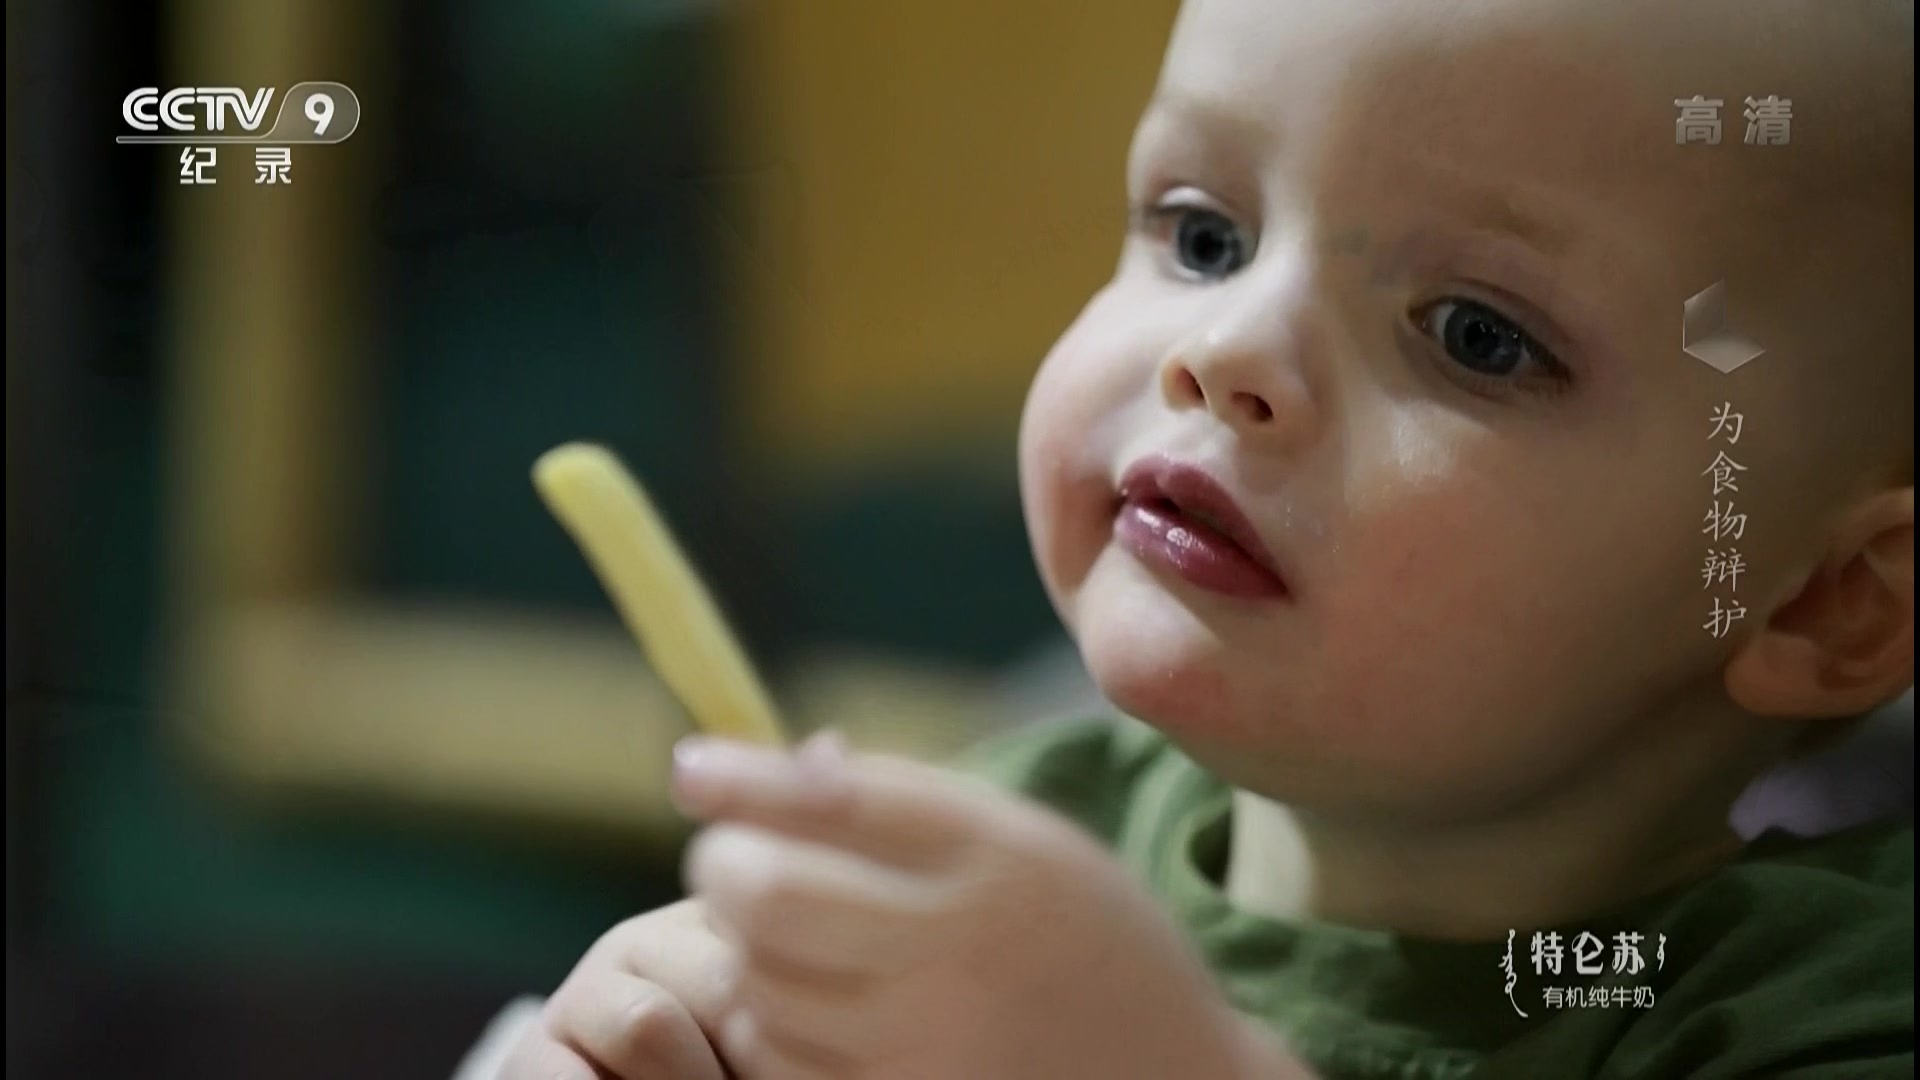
[311,112]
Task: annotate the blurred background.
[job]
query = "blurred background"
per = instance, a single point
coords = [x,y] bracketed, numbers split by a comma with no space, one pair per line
[322,741]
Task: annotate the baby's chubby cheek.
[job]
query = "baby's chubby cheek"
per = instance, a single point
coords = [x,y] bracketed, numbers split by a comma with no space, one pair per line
[1429,617]
[1434,639]
[1405,618]
[1076,416]
[1473,644]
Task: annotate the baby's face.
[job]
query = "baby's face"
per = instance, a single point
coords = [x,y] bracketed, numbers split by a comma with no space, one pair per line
[1404,286]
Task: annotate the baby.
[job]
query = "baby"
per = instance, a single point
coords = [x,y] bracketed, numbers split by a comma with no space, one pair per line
[1453,572]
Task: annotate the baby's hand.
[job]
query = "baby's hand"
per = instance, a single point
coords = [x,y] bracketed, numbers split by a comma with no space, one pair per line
[896,920]
[637,1007]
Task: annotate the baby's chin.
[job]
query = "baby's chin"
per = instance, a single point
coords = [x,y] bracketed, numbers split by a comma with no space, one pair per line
[1247,699]
[1157,661]
[1243,721]
[1236,690]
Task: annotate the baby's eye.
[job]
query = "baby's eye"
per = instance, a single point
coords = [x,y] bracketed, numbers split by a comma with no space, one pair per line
[1485,342]
[1207,243]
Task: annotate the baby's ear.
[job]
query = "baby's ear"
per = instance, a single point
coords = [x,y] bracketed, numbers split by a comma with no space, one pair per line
[1844,644]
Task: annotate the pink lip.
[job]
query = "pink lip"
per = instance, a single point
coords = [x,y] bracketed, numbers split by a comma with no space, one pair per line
[1176,517]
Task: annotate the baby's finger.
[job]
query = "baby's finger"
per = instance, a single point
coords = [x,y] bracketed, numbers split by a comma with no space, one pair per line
[632,1028]
[864,1028]
[693,964]
[890,809]
[539,1056]
[808,911]
[773,1055]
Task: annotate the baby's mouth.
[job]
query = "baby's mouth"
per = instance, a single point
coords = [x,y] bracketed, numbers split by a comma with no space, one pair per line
[1206,521]
[1174,517]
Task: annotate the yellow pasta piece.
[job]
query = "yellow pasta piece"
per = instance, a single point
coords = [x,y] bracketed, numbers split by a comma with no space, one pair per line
[656,590]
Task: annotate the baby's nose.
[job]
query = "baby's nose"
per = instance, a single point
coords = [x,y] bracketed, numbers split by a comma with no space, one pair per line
[1259,396]
[1234,405]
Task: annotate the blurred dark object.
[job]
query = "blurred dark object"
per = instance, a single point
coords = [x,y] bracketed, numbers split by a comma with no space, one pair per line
[76,1015]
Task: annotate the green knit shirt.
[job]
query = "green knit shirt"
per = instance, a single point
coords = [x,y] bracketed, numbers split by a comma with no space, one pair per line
[1795,960]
